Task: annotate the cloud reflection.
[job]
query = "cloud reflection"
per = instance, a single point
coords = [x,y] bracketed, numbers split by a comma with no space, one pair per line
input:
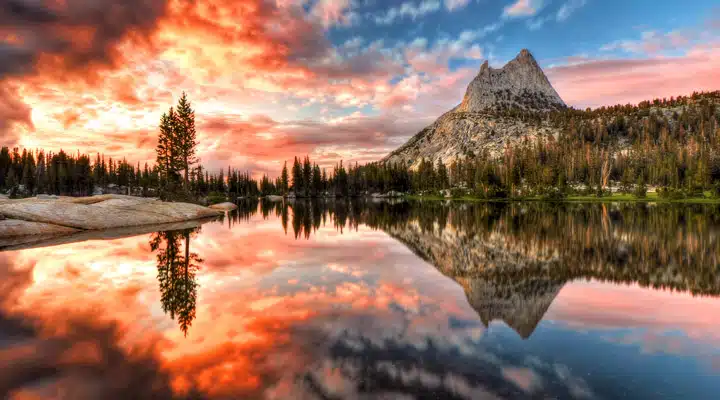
[334,307]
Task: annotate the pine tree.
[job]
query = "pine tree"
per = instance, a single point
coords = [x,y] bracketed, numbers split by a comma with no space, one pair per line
[186,135]
[11,182]
[297,175]
[306,175]
[284,179]
[168,157]
[316,181]
[442,175]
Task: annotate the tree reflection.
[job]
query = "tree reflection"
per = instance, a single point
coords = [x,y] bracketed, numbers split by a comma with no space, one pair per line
[177,267]
[513,258]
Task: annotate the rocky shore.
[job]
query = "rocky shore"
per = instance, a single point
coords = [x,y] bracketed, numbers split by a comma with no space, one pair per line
[46,217]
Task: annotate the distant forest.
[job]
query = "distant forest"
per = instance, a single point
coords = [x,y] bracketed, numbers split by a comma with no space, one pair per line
[673,144]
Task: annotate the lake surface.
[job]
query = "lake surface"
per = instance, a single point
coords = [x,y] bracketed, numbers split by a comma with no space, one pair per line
[374,300]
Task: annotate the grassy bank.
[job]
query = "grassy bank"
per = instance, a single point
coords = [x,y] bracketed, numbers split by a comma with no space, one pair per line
[615,197]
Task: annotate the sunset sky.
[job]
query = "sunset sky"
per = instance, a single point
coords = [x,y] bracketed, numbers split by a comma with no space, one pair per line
[345,79]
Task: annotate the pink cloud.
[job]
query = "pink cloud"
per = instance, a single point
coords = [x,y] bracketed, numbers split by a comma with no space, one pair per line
[333,12]
[523,8]
[597,82]
[606,306]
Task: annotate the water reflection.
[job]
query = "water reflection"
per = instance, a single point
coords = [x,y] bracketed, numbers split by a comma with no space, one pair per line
[513,259]
[177,267]
[661,246]
[374,300]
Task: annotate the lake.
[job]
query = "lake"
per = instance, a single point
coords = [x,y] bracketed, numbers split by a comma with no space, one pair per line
[336,300]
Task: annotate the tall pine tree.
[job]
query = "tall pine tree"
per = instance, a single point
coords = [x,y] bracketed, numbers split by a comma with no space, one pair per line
[186,135]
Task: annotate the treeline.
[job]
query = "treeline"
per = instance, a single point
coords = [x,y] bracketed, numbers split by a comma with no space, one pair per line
[670,143]
[176,174]
[673,144]
[27,173]
[307,179]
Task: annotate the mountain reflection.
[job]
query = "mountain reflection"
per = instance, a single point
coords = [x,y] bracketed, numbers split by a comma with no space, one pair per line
[361,315]
[513,259]
[177,267]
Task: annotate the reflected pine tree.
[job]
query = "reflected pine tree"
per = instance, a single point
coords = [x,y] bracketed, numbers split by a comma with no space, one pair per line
[177,267]
[664,246]
[512,259]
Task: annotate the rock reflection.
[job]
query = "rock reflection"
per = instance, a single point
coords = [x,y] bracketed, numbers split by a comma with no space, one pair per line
[513,259]
[177,267]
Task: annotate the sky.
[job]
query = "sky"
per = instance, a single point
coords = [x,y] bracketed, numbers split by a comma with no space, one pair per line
[333,79]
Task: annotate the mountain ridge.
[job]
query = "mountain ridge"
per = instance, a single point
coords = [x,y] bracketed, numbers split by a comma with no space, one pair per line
[477,123]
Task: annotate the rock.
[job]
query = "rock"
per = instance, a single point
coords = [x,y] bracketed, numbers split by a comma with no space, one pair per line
[35,240]
[477,124]
[520,83]
[227,206]
[15,227]
[273,197]
[102,212]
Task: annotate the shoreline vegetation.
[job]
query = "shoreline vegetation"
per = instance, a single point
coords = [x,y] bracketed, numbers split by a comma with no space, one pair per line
[614,198]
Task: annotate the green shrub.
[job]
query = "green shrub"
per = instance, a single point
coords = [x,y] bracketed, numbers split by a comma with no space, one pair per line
[216,198]
[695,191]
[554,195]
[457,193]
[496,192]
[669,193]
[585,191]
[640,191]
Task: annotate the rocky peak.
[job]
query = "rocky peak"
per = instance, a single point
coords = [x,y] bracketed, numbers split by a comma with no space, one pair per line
[520,83]
[479,124]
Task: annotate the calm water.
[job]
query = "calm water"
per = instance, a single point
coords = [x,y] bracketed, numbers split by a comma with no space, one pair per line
[373,300]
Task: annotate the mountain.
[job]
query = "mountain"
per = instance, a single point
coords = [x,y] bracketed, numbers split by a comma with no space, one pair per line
[520,83]
[481,121]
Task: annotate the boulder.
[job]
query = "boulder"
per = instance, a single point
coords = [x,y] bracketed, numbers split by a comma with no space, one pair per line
[227,206]
[15,227]
[38,239]
[102,212]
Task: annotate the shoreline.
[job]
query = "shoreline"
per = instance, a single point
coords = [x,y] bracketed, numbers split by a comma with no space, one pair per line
[651,198]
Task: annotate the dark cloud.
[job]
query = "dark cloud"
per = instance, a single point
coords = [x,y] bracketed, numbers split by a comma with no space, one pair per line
[12,111]
[78,33]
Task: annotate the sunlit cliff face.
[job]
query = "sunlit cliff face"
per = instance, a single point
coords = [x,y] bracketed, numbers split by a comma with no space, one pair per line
[280,316]
[271,79]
